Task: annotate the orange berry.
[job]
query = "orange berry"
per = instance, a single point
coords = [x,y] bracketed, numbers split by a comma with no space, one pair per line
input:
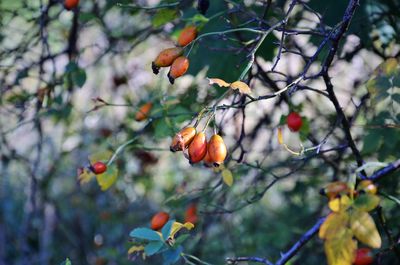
[217,149]
[182,139]
[143,111]
[333,189]
[166,58]
[159,220]
[367,186]
[178,68]
[197,148]
[187,35]
[207,159]
[70,4]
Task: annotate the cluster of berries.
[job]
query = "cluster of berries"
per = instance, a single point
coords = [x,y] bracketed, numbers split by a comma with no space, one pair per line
[173,57]
[212,152]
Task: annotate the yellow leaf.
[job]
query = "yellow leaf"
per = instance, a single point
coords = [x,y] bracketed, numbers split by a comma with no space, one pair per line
[243,87]
[390,66]
[134,249]
[227,177]
[218,81]
[340,204]
[364,229]
[340,249]
[100,156]
[108,178]
[333,225]
[176,227]
[280,137]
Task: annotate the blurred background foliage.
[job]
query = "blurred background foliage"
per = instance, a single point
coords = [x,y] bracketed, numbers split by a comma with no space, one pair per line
[57,67]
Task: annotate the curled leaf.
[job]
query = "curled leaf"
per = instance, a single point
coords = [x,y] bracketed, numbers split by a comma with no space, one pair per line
[218,81]
[243,87]
[176,227]
[135,249]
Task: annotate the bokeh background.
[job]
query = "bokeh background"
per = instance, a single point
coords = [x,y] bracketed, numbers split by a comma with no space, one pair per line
[55,63]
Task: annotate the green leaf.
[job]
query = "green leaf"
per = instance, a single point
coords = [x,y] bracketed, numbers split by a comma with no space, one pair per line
[166,230]
[162,129]
[79,77]
[86,16]
[66,262]
[76,74]
[366,202]
[163,16]
[181,239]
[199,18]
[282,120]
[145,233]
[305,129]
[371,142]
[153,247]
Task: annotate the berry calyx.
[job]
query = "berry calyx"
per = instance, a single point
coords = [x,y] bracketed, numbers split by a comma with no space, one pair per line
[294,121]
[166,58]
[159,220]
[143,111]
[187,35]
[70,4]
[364,256]
[98,168]
[178,68]
[217,150]
[182,139]
[197,148]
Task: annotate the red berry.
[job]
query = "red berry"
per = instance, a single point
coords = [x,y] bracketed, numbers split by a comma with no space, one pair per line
[159,220]
[364,256]
[98,168]
[294,121]
[191,214]
[70,4]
